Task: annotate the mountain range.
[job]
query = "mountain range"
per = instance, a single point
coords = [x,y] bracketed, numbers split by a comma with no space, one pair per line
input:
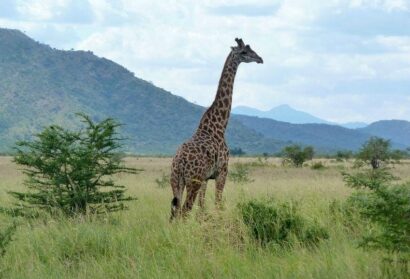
[288,114]
[41,85]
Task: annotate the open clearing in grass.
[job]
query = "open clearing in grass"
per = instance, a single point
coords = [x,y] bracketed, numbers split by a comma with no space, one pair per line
[141,243]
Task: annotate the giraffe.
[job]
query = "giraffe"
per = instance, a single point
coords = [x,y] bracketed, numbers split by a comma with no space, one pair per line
[205,156]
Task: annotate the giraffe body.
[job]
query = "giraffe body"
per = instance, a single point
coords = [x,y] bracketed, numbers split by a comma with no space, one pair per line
[205,156]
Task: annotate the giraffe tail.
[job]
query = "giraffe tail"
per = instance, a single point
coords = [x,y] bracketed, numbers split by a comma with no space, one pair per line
[175,203]
[178,186]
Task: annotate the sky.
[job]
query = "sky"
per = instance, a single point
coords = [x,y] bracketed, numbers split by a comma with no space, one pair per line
[341,60]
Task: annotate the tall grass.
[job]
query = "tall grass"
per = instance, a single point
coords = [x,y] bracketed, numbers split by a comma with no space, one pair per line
[141,243]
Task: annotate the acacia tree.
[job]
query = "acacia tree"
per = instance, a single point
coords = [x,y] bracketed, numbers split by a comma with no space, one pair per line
[343,155]
[375,151]
[237,151]
[71,171]
[386,205]
[296,155]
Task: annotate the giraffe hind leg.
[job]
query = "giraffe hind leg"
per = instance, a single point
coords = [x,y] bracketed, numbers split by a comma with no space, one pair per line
[192,192]
[220,184]
[202,191]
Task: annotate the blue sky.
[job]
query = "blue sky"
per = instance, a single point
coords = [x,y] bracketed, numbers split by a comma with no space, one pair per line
[339,60]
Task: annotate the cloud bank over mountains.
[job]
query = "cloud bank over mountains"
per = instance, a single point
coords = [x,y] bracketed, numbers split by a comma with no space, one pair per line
[339,60]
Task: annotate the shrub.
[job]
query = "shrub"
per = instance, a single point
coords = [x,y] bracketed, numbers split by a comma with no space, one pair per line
[296,155]
[343,155]
[397,155]
[314,234]
[388,208]
[347,213]
[386,205]
[6,238]
[317,166]
[240,173]
[164,181]
[259,162]
[279,223]
[237,151]
[71,171]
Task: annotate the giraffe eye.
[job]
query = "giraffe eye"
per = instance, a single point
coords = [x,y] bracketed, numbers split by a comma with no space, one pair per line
[243,52]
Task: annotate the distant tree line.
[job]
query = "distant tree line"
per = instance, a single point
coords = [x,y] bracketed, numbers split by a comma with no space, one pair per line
[375,151]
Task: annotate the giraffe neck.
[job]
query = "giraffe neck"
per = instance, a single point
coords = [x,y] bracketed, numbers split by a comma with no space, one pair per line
[216,118]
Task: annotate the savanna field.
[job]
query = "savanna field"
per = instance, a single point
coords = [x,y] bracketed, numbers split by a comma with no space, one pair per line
[142,243]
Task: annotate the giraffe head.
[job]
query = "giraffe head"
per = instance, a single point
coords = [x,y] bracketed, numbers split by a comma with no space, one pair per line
[244,53]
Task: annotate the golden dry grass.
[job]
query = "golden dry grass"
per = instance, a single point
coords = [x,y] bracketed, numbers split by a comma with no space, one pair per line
[141,243]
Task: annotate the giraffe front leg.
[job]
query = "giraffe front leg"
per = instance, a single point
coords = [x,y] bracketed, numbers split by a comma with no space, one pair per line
[202,191]
[220,184]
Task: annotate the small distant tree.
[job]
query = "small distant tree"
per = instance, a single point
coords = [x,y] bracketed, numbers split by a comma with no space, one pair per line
[237,151]
[398,155]
[343,155]
[240,173]
[375,151]
[71,171]
[296,155]
[309,152]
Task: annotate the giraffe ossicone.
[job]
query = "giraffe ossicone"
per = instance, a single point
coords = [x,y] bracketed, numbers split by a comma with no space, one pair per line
[205,156]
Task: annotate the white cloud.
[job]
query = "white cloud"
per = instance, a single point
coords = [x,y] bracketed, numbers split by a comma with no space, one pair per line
[40,10]
[319,56]
[389,5]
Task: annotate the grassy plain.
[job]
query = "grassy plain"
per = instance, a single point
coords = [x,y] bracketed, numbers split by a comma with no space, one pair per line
[141,243]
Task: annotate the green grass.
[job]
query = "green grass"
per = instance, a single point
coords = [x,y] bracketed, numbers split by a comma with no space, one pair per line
[141,243]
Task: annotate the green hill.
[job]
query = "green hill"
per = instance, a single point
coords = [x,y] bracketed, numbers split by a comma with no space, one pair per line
[394,130]
[40,85]
[324,137]
[329,138]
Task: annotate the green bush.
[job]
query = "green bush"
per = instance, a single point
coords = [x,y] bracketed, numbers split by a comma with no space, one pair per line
[236,151]
[279,223]
[386,205]
[388,208]
[314,234]
[343,155]
[295,155]
[347,213]
[6,238]
[240,173]
[260,162]
[317,166]
[71,171]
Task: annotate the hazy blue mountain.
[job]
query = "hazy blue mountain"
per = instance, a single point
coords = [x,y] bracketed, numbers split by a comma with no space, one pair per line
[354,125]
[286,113]
[40,85]
[283,113]
[323,136]
[395,130]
